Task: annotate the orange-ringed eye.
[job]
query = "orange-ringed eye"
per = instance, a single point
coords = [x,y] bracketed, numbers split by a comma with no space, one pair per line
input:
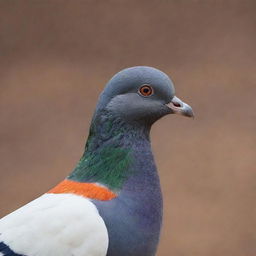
[146,90]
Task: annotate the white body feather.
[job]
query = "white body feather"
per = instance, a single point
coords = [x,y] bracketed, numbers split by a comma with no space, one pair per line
[56,225]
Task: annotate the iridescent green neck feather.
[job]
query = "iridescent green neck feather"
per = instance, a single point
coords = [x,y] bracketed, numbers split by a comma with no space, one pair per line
[108,154]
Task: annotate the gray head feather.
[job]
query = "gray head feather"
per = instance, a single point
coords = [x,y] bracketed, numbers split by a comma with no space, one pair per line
[121,95]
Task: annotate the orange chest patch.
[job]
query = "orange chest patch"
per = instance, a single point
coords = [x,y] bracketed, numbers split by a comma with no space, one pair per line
[89,190]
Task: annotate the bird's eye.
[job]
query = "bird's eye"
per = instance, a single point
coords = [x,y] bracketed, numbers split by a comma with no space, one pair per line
[146,90]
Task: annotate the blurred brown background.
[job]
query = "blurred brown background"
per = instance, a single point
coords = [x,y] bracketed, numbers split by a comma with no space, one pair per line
[56,56]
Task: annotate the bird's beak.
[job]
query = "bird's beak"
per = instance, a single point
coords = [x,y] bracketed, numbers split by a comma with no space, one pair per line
[179,107]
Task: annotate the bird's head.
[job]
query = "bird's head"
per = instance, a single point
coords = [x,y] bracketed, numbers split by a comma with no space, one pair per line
[141,94]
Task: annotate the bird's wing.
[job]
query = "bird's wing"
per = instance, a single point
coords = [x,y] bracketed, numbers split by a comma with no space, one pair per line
[54,225]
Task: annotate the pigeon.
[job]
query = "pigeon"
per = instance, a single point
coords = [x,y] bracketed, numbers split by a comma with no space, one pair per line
[111,203]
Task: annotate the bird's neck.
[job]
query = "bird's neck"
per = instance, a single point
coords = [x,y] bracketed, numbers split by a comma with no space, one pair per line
[111,151]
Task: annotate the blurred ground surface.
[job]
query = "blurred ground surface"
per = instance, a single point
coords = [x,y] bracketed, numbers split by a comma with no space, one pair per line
[56,56]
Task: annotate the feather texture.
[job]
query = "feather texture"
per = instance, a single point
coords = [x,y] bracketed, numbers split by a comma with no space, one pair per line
[6,251]
[54,225]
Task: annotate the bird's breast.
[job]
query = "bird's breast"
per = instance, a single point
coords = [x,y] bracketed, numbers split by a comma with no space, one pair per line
[133,220]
